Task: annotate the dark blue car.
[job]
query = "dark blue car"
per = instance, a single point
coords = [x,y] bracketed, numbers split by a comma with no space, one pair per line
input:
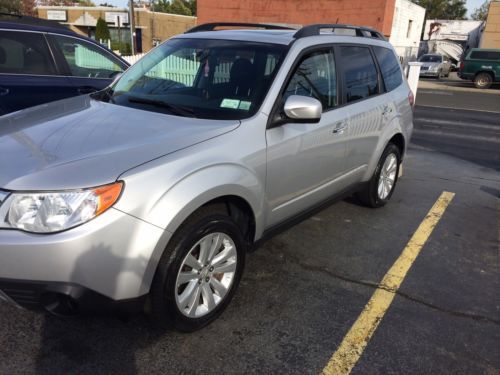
[43,61]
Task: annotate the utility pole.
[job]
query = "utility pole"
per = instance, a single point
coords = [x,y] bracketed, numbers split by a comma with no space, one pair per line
[132,26]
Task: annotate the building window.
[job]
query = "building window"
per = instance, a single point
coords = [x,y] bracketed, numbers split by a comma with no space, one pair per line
[410,25]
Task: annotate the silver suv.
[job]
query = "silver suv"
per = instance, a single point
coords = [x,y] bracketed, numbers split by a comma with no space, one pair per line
[151,191]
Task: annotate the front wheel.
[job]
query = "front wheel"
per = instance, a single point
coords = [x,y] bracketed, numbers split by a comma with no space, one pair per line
[379,189]
[199,271]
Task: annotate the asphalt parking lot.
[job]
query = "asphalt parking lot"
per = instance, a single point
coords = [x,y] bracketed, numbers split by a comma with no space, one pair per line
[303,290]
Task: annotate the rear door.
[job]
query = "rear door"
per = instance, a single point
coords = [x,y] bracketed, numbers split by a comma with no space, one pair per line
[370,107]
[90,68]
[28,74]
[306,161]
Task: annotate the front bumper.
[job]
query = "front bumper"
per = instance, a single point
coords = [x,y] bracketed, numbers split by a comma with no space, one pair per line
[64,299]
[428,73]
[108,259]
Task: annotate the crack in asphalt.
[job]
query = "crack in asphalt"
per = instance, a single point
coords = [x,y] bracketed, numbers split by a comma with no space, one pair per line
[374,285]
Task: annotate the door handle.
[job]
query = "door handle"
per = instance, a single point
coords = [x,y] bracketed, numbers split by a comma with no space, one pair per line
[86,90]
[4,91]
[340,127]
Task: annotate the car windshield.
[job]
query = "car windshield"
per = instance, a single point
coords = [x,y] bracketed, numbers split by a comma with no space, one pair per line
[431,58]
[212,79]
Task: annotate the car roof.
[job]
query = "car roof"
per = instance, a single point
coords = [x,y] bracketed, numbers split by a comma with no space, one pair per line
[13,21]
[275,34]
[283,37]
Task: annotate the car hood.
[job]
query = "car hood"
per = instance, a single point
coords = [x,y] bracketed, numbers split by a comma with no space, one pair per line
[80,142]
[430,64]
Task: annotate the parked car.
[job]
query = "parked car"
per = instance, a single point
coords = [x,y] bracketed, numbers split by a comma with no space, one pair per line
[481,66]
[434,65]
[42,61]
[155,188]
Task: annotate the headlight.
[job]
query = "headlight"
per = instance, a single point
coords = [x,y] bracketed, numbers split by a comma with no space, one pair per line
[57,211]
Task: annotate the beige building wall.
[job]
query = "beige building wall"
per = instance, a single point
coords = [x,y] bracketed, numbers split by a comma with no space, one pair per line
[155,26]
[491,33]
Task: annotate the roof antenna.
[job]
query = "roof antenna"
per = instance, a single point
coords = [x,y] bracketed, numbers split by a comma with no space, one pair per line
[337,20]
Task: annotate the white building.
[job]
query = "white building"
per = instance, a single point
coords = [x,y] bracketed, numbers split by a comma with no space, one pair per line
[407,26]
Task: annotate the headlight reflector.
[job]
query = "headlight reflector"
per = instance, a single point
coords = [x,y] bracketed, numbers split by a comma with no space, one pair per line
[57,211]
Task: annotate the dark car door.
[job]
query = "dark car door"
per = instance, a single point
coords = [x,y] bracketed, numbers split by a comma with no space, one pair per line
[89,67]
[28,74]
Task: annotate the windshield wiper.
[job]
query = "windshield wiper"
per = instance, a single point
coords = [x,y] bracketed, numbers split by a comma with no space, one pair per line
[174,109]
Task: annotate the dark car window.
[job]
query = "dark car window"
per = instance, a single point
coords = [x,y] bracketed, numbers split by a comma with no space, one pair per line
[431,58]
[315,77]
[360,73]
[485,55]
[24,53]
[87,60]
[389,65]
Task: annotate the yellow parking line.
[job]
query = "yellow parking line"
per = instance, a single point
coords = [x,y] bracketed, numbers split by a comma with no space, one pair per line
[351,348]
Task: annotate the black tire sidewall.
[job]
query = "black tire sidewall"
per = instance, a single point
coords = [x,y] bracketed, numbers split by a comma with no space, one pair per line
[479,76]
[374,197]
[163,292]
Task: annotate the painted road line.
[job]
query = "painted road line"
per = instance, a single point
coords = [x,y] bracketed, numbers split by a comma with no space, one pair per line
[354,343]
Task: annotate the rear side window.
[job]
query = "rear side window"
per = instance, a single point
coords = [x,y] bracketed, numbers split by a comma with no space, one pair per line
[24,53]
[389,65]
[315,77]
[485,55]
[360,73]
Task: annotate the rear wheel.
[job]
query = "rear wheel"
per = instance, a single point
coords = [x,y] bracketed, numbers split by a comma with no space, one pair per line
[199,271]
[379,189]
[483,80]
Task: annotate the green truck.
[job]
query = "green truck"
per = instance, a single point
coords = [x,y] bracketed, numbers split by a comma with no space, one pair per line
[482,66]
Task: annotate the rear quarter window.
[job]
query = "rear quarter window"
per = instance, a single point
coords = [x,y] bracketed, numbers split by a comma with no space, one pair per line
[390,68]
[485,55]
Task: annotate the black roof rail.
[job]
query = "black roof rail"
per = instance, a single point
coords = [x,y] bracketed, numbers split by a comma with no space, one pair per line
[312,30]
[214,25]
[27,20]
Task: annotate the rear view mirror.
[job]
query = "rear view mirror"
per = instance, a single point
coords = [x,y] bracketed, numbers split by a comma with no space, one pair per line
[303,108]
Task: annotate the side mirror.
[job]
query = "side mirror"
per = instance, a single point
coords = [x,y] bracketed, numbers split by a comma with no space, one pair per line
[303,109]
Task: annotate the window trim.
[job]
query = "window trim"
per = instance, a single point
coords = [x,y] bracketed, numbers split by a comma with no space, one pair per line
[271,123]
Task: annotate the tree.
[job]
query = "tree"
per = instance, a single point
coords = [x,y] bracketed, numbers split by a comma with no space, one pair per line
[443,9]
[24,7]
[182,7]
[102,30]
[481,13]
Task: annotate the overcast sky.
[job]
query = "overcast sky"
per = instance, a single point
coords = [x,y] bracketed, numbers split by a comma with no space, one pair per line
[471,4]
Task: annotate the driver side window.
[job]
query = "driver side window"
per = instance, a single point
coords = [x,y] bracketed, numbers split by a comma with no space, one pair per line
[85,59]
[315,77]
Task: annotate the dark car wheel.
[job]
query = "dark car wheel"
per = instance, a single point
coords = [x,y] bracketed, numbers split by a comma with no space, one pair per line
[379,189]
[199,271]
[483,80]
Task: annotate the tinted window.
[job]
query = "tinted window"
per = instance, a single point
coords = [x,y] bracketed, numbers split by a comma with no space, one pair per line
[360,73]
[215,79]
[24,53]
[315,77]
[389,65]
[485,55]
[431,58]
[86,60]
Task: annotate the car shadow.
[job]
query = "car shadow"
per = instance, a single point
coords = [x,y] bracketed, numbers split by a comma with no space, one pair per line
[95,343]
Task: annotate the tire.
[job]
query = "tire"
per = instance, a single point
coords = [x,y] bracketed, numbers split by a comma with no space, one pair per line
[370,195]
[483,81]
[182,304]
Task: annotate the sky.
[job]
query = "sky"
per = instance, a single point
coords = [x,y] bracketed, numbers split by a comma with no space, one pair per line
[471,4]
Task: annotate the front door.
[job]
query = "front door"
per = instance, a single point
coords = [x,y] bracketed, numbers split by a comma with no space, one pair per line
[306,161]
